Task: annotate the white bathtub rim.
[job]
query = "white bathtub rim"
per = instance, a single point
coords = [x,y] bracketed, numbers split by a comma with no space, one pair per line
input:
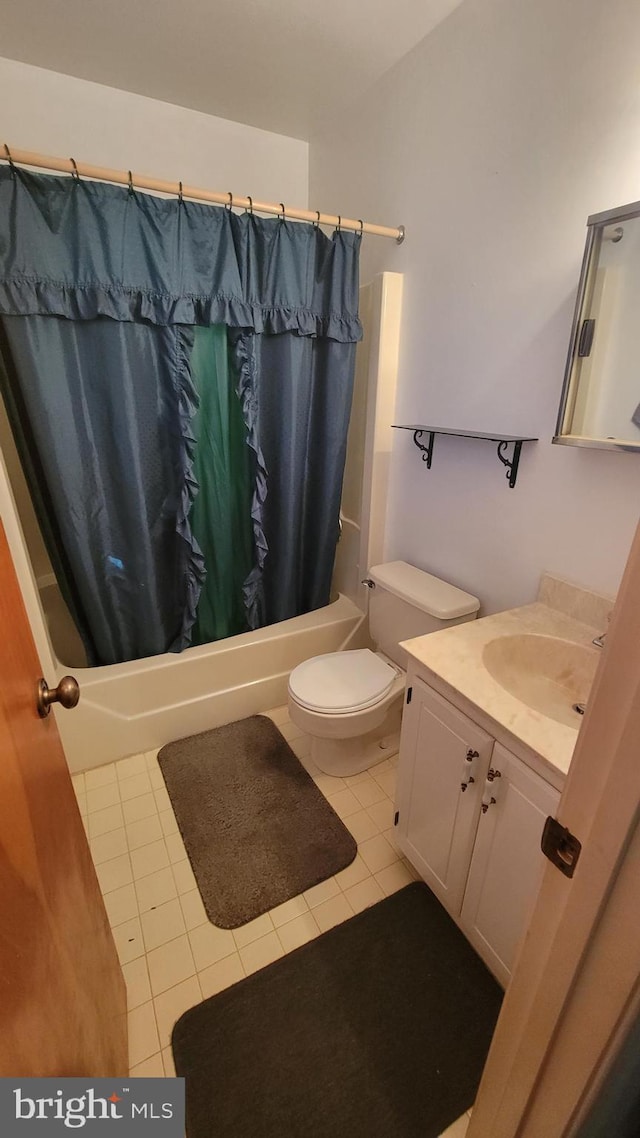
[341,609]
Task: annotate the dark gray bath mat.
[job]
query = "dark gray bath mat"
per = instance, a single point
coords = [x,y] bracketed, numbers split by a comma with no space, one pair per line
[377,1029]
[256,828]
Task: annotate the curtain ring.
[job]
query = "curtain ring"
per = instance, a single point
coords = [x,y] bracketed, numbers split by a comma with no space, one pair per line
[316,224]
[180,197]
[229,204]
[361,233]
[282,208]
[131,189]
[8,154]
[74,173]
[250,200]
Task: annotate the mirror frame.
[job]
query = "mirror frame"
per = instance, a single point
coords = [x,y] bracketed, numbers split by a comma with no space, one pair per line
[596,223]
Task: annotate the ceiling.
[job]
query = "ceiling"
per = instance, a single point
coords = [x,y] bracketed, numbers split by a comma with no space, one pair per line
[283,65]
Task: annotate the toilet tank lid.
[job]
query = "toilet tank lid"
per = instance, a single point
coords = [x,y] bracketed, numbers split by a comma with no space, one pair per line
[427,593]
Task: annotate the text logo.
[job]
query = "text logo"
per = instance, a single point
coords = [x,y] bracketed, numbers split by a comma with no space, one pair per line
[136,1108]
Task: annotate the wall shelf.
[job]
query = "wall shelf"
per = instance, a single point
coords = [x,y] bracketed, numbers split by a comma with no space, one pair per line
[421,432]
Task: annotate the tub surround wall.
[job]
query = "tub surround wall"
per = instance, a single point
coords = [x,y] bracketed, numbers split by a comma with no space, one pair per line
[366,475]
[492,142]
[34,541]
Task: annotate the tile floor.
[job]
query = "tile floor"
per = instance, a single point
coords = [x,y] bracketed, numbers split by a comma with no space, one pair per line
[171,955]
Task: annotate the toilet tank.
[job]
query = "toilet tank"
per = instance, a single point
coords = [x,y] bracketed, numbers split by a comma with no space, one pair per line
[406,602]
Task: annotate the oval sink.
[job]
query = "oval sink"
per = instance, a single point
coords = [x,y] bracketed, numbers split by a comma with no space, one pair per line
[546,673]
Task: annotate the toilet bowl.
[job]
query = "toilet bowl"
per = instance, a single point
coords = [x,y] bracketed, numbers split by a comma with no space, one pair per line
[350,703]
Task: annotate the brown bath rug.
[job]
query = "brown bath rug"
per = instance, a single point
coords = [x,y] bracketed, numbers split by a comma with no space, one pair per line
[256,828]
[379,1028]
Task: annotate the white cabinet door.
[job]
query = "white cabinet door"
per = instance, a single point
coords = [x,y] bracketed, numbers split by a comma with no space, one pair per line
[507,861]
[437,820]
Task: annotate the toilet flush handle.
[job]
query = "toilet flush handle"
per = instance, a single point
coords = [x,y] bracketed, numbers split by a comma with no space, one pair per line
[368,582]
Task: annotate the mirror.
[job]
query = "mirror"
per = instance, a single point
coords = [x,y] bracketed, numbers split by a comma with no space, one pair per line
[600,404]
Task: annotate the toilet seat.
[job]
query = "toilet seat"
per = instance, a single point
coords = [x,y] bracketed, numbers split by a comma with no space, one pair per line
[337,683]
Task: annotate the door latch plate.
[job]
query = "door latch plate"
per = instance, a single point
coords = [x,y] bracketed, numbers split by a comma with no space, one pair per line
[560,846]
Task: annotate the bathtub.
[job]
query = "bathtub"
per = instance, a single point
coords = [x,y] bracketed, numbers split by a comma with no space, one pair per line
[138,706]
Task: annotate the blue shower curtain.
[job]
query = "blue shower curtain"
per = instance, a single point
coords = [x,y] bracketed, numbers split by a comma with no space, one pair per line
[303,434]
[103,406]
[101,289]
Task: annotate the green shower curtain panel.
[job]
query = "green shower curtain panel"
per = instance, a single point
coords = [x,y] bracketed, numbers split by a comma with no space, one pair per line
[221,512]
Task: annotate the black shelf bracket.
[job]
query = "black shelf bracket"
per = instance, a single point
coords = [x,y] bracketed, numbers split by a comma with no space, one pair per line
[511,464]
[421,433]
[427,451]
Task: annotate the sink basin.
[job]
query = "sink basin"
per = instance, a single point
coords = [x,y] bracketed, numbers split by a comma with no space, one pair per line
[546,673]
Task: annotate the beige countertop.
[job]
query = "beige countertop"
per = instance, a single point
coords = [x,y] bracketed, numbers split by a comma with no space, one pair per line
[455,656]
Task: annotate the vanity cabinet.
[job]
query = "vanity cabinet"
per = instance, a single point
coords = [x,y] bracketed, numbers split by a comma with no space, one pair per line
[469,818]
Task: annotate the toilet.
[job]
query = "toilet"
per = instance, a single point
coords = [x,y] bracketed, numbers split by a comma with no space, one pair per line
[350,703]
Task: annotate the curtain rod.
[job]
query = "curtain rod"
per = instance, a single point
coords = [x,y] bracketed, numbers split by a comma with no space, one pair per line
[141,181]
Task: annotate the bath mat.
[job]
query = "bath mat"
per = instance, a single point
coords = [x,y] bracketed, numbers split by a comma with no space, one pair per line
[379,1028]
[255,826]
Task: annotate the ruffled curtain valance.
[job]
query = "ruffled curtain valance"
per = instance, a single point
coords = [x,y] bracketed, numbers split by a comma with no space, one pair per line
[169,262]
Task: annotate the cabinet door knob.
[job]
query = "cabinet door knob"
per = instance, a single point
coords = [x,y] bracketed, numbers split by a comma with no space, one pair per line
[467,777]
[488,798]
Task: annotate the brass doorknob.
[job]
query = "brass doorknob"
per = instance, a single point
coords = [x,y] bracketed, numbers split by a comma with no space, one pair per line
[66,694]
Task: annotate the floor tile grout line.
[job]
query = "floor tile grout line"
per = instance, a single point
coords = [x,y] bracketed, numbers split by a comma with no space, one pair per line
[120,801]
[144,876]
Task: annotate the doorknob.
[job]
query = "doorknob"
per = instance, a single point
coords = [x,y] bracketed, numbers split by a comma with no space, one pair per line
[67,694]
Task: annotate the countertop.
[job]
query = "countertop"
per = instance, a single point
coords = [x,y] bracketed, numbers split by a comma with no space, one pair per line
[455,656]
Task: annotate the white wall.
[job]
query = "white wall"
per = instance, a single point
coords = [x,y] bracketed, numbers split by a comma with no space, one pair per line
[59,115]
[492,142]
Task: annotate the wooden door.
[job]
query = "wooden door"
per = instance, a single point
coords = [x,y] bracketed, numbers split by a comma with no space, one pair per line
[507,862]
[440,749]
[62,994]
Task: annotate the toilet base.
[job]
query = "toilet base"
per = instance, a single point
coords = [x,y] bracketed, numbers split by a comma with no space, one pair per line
[343,757]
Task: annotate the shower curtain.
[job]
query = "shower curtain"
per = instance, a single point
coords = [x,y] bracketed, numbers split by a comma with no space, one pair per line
[178,378]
